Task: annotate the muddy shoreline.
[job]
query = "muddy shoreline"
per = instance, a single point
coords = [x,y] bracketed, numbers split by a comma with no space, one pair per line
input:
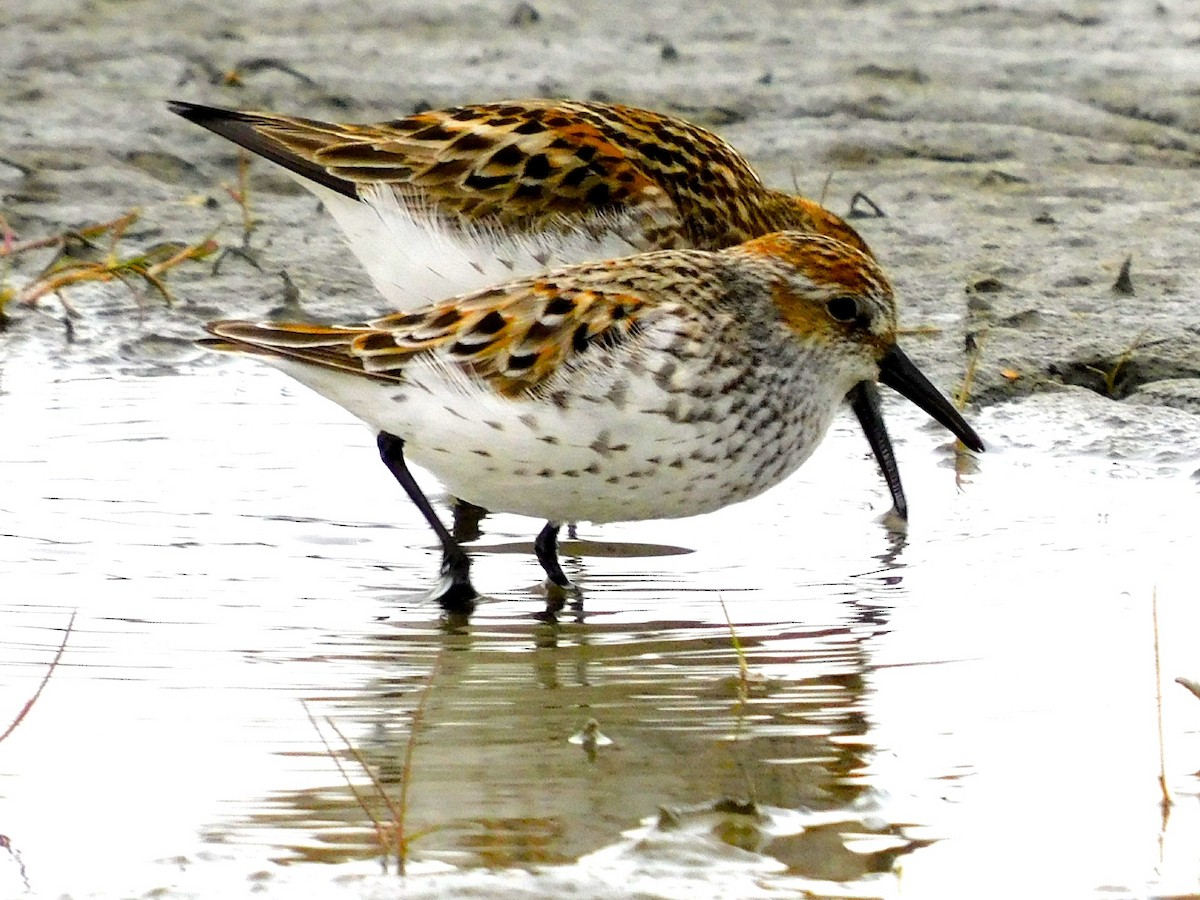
[1020,155]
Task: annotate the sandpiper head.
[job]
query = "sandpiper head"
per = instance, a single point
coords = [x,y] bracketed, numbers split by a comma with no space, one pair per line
[832,293]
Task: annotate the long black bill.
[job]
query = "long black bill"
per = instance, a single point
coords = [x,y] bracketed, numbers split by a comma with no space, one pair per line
[898,372]
[864,400]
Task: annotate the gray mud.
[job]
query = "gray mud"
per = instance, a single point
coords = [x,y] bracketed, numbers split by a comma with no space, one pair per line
[1020,152]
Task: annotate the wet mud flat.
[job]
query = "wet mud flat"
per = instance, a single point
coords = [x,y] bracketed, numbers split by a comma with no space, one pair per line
[985,682]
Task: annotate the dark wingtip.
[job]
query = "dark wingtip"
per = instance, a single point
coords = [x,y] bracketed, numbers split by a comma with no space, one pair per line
[243,129]
[198,112]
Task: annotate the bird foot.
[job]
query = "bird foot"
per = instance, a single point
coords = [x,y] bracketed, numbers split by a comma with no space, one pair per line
[456,595]
[557,595]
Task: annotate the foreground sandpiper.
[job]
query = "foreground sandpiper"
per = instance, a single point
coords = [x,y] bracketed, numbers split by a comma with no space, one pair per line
[660,385]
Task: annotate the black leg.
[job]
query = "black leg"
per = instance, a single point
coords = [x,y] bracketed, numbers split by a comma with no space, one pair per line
[546,548]
[458,594]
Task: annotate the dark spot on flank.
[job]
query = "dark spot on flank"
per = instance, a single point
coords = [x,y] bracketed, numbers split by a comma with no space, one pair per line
[569,473]
[560,306]
[626,176]
[537,166]
[484,453]
[579,340]
[508,155]
[586,152]
[618,313]
[598,195]
[489,324]
[524,361]
[464,114]
[495,426]
[539,331]
[593,469]
[545,473]
[558,122]
[549,439]
[532,126]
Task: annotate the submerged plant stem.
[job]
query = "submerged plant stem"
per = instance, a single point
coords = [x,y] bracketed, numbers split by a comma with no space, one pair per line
[1162,753]
[45,679]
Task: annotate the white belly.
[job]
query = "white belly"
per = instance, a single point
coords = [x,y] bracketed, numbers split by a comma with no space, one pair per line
[587,458]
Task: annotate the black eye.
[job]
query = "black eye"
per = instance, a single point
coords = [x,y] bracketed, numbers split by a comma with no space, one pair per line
[843,309]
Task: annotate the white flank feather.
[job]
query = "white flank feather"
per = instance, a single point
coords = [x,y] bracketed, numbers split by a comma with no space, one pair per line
[415,256]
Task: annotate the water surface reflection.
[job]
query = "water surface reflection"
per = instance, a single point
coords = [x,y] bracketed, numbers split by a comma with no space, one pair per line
[235,551]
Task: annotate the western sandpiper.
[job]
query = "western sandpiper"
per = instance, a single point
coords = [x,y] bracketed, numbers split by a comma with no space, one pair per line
[660,385]
[449,200]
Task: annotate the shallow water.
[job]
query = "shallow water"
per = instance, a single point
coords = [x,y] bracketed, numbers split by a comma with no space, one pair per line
[965,710]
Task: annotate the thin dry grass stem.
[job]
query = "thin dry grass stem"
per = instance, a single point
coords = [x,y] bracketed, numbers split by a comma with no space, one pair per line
[240,194]
[824,187]
[391,836]
[743,668]
[964,462]
[743,692]
[411,746]
[1113,374]
[67,269]
[919,330]
[45,679]
[1167,802]
[380,827]
[8,237]
[975,343]
[11,246]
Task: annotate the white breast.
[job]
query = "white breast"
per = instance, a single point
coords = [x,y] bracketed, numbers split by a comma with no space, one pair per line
[609,443]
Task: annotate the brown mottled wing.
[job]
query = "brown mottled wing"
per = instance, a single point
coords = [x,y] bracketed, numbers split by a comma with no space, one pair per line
[538,165]
[318,345]
[530,165]
[512,338]
[515,337]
